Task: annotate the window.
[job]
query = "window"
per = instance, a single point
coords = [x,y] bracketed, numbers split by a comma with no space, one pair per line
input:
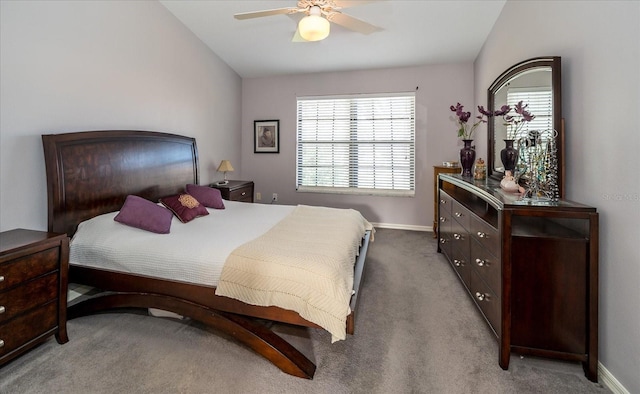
[356,144]
[540,102]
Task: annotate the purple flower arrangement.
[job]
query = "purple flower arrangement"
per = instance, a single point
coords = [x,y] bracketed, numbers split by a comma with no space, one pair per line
[462,118]
[514,123]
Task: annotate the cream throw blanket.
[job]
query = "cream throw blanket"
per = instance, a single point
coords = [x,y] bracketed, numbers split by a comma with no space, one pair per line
[304,263]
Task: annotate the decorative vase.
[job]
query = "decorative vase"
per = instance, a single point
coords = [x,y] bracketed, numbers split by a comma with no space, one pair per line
[467,158]
[509,156]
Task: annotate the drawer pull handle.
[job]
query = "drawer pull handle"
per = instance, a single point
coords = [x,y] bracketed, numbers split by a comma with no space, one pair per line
[244,193]
[1,278]
[482,235]
[443,241]
[458,214]
[457,236]
[443,201]
[458,263]
[2,309]
[442,220]
[482,297]
[482,263]
[1,343]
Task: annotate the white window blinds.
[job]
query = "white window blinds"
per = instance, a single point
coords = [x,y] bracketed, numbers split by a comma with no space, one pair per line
[540,102]
[356,144]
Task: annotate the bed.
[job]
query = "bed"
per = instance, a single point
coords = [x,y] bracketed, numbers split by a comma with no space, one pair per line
[89,176]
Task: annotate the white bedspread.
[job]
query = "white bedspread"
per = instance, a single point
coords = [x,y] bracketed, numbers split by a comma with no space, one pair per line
[304,263]
[193,252]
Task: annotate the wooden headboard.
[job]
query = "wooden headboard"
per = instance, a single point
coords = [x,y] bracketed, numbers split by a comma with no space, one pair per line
[92,172]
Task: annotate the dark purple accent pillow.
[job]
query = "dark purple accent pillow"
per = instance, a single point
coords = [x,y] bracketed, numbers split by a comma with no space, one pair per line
[144,214]
[185,206]
[208,196]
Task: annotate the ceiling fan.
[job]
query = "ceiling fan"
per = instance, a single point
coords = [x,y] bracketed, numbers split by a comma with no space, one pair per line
[315,25]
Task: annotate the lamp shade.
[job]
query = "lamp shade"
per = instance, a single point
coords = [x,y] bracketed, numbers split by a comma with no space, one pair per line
[314,27]
[225,166]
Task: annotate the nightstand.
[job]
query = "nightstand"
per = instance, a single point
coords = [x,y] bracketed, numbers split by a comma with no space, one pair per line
[236,190]
[34,267]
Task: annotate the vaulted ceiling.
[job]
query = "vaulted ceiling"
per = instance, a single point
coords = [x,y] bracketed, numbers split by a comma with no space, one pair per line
[414,32]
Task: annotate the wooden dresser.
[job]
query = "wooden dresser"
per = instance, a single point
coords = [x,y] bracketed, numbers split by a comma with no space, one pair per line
[236,190]
[33,290]
[436,171]
[530,267]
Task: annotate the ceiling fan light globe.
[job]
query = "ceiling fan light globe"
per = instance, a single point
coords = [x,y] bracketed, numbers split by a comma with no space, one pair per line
[314,28]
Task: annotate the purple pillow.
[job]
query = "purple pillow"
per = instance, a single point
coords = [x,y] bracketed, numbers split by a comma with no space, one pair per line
[144,214]
[208,196]
[184,206]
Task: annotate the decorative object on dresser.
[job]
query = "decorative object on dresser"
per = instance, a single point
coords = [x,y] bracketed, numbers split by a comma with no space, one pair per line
[480,170]
[535,82]
[225,166]
[446,168]
[467,157]
[539,169]
[266,136]
[465,131]
[33,290]
[236,190]
[530,267]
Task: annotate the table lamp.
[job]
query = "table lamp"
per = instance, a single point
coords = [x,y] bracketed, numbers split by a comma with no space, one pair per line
[224,166]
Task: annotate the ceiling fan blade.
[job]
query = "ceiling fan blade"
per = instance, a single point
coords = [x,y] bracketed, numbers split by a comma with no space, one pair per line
[352,23]
[260,14]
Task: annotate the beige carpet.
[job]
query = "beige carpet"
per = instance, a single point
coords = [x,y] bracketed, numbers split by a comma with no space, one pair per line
[416,332]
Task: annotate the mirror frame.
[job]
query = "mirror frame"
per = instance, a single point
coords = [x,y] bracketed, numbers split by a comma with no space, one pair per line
[558,122]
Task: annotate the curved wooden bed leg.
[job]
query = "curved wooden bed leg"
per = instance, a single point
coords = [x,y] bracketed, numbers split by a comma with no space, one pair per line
[254,335]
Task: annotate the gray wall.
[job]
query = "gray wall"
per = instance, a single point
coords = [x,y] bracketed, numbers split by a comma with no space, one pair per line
[439,86]
[96,65]
[598,43]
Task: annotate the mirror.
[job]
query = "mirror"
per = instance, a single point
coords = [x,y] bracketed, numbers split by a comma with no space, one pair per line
[536,82]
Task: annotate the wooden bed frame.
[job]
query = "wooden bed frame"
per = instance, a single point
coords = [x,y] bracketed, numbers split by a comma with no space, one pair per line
[91,173]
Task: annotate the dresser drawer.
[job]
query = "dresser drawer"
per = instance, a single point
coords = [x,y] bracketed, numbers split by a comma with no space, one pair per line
[460,263]
[25,328]
[460,238]
[243,194]
[487,300]
[445,203]
[28,267]
[461,214]
[28,296]
[487,265]
[485,234]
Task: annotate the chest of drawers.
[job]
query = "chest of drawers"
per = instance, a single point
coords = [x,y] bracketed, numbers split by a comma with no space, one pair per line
[531,268]
[33,290]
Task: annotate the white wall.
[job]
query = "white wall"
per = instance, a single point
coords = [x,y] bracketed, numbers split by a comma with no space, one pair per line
[439,86]
[599,45]
[101,65]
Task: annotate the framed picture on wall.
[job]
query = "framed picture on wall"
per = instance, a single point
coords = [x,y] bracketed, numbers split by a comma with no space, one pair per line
[266,136]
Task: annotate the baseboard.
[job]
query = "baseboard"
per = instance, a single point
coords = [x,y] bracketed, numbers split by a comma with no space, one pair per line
[402,227]
[609,381]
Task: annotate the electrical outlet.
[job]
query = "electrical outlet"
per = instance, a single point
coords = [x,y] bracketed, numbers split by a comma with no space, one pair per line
[258,196]
[275,197]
